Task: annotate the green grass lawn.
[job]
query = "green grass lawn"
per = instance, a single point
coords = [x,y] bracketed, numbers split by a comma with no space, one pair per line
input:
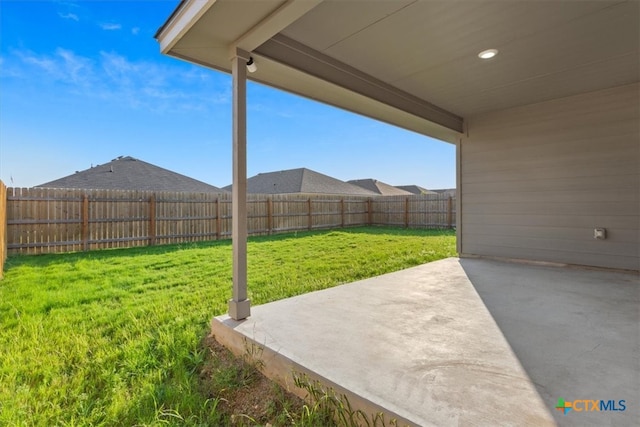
[115,337]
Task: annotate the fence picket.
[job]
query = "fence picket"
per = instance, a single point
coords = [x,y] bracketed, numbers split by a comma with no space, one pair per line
[3,227]
[58,220]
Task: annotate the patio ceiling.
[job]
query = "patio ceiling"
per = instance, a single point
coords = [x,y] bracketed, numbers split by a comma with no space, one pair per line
[414,63]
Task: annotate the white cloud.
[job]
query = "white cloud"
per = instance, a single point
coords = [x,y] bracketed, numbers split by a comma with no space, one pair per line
[115,78]
[71,16]
[44,63]
[64,66]
[110,26]
[77,68]
[135,31]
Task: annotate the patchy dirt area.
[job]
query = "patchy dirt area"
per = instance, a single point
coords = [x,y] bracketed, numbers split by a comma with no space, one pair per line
[246,396]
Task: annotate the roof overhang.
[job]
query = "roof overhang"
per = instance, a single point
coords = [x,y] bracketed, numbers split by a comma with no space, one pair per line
[414,63]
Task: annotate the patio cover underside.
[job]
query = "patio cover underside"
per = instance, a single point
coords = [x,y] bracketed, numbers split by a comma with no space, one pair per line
[461,342]
[414,63]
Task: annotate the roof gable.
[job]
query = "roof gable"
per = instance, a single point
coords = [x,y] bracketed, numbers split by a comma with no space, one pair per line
[415,189]
[128,173]
[314,182]
[287,181]
[379,187]
[301,180]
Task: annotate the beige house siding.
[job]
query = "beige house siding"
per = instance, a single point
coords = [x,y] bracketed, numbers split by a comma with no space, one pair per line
[536,180]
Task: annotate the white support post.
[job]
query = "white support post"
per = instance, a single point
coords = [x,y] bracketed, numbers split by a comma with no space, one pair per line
[239,304]
[459,242]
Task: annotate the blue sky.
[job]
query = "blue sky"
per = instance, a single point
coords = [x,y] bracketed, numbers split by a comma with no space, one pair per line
[83,82]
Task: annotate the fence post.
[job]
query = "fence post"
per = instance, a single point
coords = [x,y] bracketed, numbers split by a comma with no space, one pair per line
[152,219]
[218,219]
[269,215]
[85,222]
[94,214]
[3,227]
[406,212]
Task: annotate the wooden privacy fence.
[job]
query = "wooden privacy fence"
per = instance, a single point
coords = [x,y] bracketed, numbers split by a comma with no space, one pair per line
[41,220]
[3,226]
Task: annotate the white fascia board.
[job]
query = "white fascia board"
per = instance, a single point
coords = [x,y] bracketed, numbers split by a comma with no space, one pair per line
[188,14]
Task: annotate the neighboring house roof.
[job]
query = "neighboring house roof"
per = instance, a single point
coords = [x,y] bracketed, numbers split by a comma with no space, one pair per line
[379,187]
[447,191]
[128,173]
[415,189]
[300,180]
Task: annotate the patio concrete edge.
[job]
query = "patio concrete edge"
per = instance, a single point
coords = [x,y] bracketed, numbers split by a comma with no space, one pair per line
[281,369]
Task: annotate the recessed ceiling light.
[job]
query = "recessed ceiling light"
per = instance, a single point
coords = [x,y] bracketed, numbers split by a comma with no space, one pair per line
[488,54]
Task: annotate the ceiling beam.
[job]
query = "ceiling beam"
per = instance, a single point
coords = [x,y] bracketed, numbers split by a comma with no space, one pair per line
[298,56]
[277,21]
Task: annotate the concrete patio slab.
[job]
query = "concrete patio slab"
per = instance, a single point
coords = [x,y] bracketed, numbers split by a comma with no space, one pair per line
[461,342]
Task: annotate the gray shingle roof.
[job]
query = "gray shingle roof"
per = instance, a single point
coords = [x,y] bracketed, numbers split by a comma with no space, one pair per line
[300,180]
[127,173]
[415,189]
[379,187]
[449,192]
